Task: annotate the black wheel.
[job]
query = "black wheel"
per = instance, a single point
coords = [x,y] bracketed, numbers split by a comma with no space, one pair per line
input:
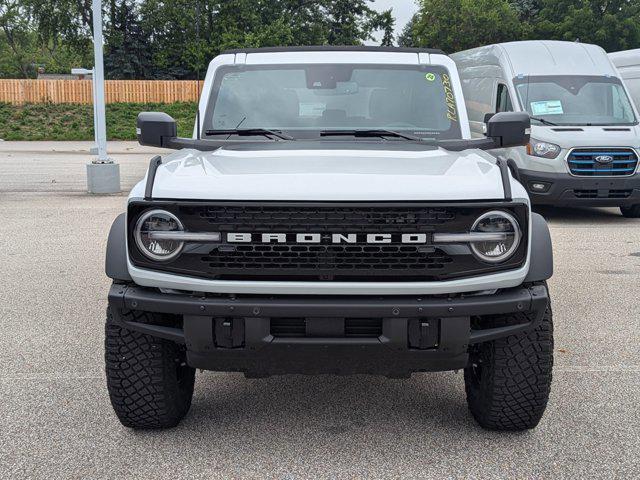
[149,382]
[508,380]
[631,212]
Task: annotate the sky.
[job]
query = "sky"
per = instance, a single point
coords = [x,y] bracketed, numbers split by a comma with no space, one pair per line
[403,10]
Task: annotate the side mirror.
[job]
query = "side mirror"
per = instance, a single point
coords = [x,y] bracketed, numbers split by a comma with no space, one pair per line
[155,128]
[509,129]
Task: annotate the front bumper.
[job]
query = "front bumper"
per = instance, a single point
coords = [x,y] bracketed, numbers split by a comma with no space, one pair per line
[563,189]
[416,334]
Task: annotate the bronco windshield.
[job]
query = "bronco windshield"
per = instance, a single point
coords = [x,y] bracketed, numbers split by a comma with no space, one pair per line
[306,100]
[575,100]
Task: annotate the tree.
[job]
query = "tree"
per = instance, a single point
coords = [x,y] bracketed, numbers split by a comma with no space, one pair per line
[127,54]
[178,50]
[612,24]
[48,33]
[16,38]
[407,37]
[62,22]
[454,25]
[351,22]
[384,22]
[527,9]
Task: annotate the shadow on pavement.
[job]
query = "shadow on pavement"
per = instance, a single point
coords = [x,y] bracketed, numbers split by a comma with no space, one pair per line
[581,215]
[282,409]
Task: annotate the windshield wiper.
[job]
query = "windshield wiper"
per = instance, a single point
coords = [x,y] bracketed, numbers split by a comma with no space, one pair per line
[544,122]
[378,132]
[248,132]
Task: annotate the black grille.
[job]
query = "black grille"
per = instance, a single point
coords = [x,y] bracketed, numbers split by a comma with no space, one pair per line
[332,257]
[620,162]
[593,193]
[288,327]
[326,260]
[321,219]
[353,327]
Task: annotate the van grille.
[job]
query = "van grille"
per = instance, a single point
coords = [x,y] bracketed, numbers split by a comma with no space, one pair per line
[602,193]
[602,162]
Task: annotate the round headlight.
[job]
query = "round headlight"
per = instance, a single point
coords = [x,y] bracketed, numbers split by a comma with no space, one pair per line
[495,251]
[158,248]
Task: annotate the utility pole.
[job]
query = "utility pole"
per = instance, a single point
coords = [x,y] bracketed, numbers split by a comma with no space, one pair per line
[103,174]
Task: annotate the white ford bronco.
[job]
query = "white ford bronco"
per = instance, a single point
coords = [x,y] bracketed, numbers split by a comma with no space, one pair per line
[330,215]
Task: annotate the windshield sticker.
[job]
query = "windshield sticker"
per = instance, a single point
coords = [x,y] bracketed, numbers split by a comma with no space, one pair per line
[430,77]
[547,107]
[311,109]
[452,109]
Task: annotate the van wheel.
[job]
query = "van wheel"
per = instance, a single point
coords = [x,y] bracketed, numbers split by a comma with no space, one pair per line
[631,212]
[509,379]
[150,385]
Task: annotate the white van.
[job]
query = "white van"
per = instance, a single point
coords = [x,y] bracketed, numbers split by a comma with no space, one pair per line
[585,137]
[628,64]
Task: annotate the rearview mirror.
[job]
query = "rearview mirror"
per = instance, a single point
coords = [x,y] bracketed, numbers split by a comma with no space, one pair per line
[154,129]
[509,129]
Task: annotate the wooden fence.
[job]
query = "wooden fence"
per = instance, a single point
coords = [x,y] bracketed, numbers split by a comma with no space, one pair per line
[116,91]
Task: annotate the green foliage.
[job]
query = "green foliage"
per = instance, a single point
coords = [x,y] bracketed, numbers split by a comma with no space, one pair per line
[173,39]
[179,49]
[407,37]
[35,33]
[527,9]
[16,41]
[454,25]
[164,39]
[127,55]
[612,24]
[41,121]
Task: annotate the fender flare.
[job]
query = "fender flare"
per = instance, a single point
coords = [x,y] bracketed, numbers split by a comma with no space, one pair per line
[541,262]
[515,171]
[116,258]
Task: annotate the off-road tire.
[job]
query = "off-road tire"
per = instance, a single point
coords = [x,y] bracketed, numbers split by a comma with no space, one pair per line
[509,379]
[631,212]
[149,383]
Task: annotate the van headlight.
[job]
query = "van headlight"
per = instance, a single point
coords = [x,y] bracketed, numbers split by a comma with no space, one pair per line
[507,236]
[149,238]
[542,149]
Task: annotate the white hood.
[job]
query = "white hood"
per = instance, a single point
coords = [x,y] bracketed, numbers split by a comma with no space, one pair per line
[298,173]
[588,136]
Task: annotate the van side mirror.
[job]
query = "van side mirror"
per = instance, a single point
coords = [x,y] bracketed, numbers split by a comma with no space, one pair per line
[509,129]
[154,129]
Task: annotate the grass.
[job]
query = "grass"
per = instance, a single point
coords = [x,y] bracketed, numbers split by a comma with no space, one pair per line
[47,121]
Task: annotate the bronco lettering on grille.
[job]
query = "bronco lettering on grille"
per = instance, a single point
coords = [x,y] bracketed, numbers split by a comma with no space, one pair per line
[333,238]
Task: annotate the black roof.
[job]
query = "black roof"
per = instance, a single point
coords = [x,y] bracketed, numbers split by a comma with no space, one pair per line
[335,48]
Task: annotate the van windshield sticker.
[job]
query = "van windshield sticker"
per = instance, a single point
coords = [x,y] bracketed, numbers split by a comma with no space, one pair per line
[452,110]
[547,107]
[311,109]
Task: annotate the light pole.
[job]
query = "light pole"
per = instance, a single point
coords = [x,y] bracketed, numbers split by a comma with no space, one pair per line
[103,174]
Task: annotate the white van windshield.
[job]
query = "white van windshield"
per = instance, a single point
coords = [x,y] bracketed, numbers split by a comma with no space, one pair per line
[575,100]
[305,100]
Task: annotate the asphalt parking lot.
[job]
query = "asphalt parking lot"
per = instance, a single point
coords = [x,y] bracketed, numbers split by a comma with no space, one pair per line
[56,420]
